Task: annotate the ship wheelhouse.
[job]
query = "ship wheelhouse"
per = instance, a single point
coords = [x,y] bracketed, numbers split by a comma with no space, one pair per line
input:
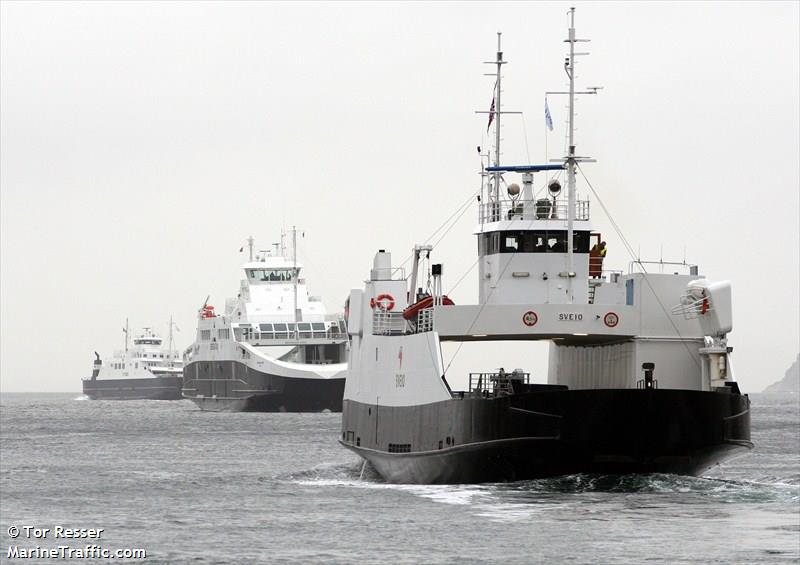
[524,242]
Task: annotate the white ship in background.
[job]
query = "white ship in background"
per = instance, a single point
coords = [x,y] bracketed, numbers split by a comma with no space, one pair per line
[274,349]
[147,370]
[634,385]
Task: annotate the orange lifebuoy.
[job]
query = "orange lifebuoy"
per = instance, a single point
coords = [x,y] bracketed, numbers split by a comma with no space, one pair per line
[384,301]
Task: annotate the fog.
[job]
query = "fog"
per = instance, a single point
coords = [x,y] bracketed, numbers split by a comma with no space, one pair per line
[142,143]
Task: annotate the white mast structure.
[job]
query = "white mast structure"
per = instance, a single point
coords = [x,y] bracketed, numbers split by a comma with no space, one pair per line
[250,242]
[571,159]
[297,315]
[499,62]
[172,325]
[494,115]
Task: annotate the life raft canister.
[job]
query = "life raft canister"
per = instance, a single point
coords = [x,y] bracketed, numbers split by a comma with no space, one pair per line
[411,312]
[384,302]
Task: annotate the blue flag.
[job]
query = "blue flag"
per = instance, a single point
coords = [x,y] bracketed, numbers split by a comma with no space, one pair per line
[548,119]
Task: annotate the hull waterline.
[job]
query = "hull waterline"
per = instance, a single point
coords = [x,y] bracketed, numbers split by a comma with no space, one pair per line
[554,433]
[237,388]
[156,388]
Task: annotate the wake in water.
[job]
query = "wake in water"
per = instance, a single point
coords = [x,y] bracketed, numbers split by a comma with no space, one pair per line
[332,472]
[517,500]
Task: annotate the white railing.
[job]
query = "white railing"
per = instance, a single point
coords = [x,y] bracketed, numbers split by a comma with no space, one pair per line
[425,320]
[388,323]
[541,209]
[692,306]
[290,331]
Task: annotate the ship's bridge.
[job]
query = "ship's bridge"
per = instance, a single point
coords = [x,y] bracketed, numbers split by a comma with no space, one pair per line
[523,243]
[147,340]
[272,270]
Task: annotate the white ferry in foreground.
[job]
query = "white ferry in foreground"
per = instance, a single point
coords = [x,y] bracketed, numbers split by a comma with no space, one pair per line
[273,350]
[145,371]
[634,385]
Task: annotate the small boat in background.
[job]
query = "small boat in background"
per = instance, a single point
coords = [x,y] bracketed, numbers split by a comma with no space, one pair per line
[146,371]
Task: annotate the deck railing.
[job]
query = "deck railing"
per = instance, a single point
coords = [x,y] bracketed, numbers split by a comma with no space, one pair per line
[540,209]
[388,323]
[290,331]
[493,384]
[425,320]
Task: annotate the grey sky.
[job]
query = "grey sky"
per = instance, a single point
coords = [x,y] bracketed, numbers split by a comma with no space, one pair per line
[143,142]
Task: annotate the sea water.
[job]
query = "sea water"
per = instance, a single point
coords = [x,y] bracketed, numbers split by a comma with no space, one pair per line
[197,487]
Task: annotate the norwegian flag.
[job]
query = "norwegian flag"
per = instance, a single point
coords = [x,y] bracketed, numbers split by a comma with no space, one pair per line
[491,115]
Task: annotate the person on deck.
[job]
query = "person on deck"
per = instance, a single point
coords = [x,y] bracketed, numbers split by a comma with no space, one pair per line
[596,255]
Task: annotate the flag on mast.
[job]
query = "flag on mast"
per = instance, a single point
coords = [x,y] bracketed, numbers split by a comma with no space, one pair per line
[548,119]
[491,108]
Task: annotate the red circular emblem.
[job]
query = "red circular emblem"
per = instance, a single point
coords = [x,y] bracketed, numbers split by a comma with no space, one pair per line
[611,319]
[530,318]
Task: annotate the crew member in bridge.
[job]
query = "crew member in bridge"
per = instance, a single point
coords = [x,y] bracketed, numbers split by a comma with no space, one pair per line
[596,256]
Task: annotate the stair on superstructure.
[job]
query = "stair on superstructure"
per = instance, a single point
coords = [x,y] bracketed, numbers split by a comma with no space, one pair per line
[593,284]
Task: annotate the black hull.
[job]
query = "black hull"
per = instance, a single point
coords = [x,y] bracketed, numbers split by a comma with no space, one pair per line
[551,433]
[156,388]
[231,386]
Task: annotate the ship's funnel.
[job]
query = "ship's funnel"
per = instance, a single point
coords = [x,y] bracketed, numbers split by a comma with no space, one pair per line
[382,266]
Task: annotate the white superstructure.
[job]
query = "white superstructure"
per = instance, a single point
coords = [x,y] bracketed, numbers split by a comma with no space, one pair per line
[273,329]
[639,376]
[147,356]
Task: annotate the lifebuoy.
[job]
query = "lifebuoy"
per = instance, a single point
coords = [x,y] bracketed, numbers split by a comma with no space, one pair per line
[384,301]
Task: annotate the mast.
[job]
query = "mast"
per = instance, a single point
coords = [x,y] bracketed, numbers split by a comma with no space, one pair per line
[570,68]
[126,335]
[498,90]
[250,241]
[294,272]
[495,112]
[170,332]
[571,158]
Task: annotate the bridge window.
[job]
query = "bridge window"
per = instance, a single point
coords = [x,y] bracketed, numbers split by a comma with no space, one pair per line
[510,242]
[270,275]
[539,241]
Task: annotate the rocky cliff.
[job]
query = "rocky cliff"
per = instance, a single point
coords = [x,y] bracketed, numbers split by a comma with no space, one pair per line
[790,382]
